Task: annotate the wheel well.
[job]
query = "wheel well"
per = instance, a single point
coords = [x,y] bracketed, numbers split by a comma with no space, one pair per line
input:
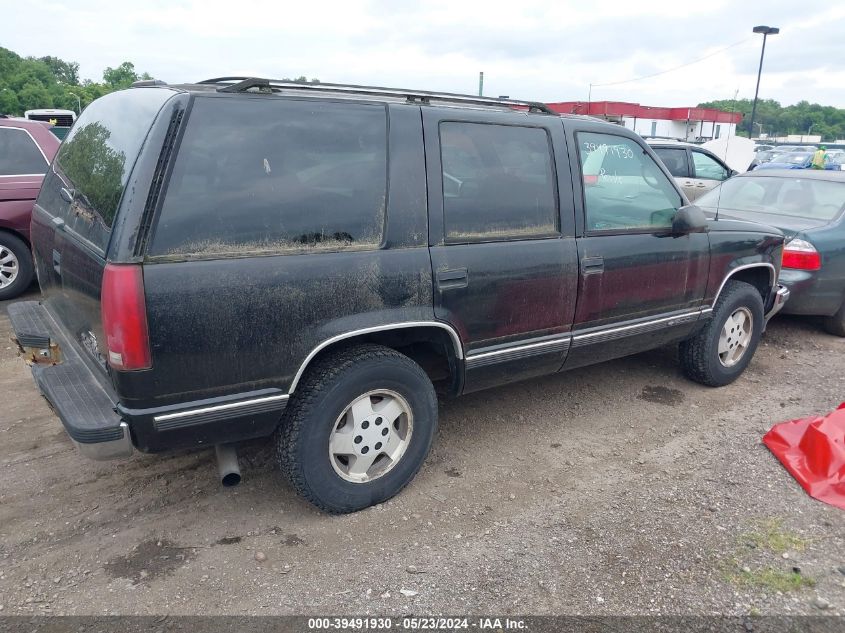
[20,236]
[432,348]
[758,276]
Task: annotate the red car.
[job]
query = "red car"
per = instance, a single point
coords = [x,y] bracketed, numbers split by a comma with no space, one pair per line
[26,151]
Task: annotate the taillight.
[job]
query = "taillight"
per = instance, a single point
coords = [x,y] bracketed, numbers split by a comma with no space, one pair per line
[591,179]
[802,255]
[125,317]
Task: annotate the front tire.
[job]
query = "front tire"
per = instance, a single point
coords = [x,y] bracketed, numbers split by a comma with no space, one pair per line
[719,354]
[16,267]
[358,428]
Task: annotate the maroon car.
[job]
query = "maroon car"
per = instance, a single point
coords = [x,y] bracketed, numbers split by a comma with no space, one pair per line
[26,151]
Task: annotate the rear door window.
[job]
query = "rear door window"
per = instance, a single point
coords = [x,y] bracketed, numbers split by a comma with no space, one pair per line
[19,155]
[268,175]
[675,160]
[95,160]
[498,182]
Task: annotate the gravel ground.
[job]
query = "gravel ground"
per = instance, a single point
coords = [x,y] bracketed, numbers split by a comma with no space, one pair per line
[617,489]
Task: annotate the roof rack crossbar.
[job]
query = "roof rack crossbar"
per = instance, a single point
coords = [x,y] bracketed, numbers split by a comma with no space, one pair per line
[241,84]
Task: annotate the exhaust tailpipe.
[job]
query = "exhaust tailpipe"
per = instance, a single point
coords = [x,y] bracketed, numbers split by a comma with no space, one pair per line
[227,464]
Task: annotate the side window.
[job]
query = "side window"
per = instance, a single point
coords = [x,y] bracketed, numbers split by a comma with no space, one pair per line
[19,154]
[624,189]
[675,160]
[707,168]
[498,182]
[273,175]
[96,159]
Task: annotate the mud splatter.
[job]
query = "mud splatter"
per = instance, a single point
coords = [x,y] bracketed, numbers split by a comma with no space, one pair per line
[661,395]
[149,560]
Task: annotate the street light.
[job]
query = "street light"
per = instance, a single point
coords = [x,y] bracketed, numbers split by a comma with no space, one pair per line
[78,102]
[766,31]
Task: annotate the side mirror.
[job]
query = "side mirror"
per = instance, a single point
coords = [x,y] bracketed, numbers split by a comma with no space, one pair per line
[689,219]
[732,173]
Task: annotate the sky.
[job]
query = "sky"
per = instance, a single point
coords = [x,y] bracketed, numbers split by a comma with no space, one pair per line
[537,51]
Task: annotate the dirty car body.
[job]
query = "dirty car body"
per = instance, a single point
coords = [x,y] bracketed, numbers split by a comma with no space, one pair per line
[258,250]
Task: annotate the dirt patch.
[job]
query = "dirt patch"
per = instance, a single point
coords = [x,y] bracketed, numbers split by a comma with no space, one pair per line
[229,540]
[662,395]
[292,540]
[453,472]
[149,560]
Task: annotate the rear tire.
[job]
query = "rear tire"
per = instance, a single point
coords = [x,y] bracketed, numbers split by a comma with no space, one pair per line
[835,324]
[359,402]
[16,267]
[719,354]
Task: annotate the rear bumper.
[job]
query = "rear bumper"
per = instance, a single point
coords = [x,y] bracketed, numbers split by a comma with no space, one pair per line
[82,400]
[780,299]
[812,292]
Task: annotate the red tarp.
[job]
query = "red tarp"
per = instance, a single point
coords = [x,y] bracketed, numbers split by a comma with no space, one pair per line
[813,450]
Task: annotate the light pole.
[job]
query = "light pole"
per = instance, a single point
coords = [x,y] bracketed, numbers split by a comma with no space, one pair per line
[766,31]
[78,102]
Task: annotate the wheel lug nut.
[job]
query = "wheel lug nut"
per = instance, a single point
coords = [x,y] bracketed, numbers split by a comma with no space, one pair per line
[365,424]
[358,439]
[378,445]
[384,431]
[365,450]
[379,421]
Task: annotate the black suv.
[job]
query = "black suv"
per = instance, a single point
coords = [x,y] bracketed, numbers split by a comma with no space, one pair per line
[244,258]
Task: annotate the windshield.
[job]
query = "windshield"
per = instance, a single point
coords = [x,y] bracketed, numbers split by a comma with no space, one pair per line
[793,159]
[796,197]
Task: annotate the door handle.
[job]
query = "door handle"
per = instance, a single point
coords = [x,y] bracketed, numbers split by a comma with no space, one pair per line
[592,265]
[449,279]
[57,262]
[67,194]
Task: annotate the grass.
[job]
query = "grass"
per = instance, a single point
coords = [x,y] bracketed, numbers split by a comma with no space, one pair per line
[770,535]
[771,579]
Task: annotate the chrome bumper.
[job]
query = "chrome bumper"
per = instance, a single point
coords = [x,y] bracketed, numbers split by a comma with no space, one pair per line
[781,297]
[111,449]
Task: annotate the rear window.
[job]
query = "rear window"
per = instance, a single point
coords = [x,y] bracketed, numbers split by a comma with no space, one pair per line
[797,197]
[96,158]
[19,155]
[267,175]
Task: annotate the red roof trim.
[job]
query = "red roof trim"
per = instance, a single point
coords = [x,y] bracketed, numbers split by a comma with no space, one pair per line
[625,109]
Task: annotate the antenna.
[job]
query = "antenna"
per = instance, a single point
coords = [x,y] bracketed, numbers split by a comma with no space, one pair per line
[727,145]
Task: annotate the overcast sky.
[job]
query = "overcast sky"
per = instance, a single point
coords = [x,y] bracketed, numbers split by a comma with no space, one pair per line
[541,51]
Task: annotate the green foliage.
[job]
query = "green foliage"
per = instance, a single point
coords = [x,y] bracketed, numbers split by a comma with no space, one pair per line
[28,83]
[776,120]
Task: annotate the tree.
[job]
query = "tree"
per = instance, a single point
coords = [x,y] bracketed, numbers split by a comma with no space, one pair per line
[121,77]
[65,72]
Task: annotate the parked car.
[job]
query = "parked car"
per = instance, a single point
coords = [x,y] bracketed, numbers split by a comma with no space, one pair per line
[26,149]
[763,148]
[803,160]
[808,207]
[695,169]
[788,149]
[761,157]
[241,258]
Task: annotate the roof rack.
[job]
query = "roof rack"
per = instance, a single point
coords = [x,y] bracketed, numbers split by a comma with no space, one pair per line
[242,84]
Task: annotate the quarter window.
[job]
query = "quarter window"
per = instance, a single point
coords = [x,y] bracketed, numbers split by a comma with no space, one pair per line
[19,154]
[708,169]
[267,175]
[498,182]
[624,189]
